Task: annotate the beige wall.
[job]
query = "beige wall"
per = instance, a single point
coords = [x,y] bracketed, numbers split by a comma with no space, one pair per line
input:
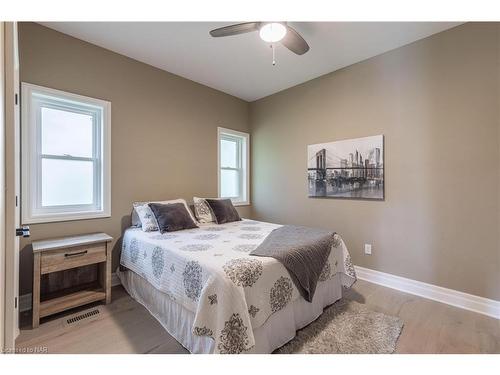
[437,103]
[164,128]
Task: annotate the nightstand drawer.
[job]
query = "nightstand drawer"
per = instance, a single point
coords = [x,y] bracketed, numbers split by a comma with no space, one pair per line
[64,259]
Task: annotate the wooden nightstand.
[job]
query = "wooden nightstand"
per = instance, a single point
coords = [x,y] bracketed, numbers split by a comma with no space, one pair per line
[60,254]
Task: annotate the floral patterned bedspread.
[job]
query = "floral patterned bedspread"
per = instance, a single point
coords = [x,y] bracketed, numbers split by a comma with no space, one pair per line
[209,271]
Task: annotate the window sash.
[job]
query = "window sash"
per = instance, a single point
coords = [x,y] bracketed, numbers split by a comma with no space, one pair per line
[95,205]
[240,183]
[38,104]
[238,141]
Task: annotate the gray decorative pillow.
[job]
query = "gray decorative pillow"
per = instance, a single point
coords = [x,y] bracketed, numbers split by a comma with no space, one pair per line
[172,217]
[136,222]
[223,210]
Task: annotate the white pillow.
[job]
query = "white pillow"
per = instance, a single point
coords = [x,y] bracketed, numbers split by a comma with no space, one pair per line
[140,204]
[147,218]
[203,211]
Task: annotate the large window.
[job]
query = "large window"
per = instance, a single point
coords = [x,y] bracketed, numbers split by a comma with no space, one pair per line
[233,165]
[66,151]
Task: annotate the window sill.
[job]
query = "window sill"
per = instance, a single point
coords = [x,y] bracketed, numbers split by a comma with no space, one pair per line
[41,219]
[241,204]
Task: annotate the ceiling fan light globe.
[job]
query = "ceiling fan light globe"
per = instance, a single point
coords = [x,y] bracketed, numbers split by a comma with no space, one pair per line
[272,32]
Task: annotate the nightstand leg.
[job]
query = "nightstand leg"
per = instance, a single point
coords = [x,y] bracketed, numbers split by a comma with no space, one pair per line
[106,274]
[36,290]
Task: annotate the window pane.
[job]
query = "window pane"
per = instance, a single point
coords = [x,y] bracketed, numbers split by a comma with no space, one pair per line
[66,132]
[229,181]
[67,182]
[228,154]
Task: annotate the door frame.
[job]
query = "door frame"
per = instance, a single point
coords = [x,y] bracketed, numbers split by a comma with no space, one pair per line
[2,190]
[11,166]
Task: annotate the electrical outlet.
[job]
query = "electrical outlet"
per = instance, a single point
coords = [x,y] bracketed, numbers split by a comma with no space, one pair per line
[368,249]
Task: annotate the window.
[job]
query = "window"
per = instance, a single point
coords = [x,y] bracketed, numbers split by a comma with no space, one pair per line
[66,150]
[233,165]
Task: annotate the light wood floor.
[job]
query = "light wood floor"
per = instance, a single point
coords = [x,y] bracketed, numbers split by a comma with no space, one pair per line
[124,326]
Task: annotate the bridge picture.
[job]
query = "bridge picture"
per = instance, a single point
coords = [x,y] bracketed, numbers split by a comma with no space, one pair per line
[352,168]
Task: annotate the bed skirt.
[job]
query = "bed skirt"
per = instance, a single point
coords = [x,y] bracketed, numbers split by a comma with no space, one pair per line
[280,328]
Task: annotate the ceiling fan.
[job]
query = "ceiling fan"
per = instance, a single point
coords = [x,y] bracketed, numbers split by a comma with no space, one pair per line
[271,32]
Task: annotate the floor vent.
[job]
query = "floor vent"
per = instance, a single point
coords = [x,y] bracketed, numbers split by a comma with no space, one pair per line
[84,316]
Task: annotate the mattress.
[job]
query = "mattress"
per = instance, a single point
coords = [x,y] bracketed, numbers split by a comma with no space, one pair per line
[208,272]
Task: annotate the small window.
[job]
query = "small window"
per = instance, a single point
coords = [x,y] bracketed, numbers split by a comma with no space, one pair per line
[66,152]
[233,165]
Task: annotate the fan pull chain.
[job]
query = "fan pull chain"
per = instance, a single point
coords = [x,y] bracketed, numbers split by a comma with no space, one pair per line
[274,54]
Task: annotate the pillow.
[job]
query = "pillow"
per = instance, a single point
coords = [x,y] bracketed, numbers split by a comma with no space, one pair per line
[136,222]
[172,217]
[202,211]
[223,210]
[146,217]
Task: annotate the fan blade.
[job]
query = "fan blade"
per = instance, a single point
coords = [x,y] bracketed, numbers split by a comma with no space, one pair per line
[294,42]
[239,28]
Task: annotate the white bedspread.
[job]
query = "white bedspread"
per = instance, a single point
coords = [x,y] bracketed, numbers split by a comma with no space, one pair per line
[208,271]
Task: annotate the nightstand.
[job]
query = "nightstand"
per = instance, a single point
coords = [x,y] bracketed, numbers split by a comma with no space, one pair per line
[59,254]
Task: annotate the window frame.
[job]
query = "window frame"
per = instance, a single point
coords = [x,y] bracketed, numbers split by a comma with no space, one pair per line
[35,97]
[243,161]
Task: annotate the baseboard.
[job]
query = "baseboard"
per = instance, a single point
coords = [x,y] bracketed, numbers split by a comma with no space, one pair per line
[26,299]
[452,297]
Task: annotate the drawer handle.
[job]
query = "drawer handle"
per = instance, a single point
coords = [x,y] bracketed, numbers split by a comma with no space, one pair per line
[70,255]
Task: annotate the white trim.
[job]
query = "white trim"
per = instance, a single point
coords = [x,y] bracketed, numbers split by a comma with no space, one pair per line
[12,183]
[65,217]
[245,164]
[25,300]
[452,297]
[3,268]
[102,206]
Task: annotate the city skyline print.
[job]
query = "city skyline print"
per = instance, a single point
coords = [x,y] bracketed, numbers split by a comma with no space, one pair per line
[351,168]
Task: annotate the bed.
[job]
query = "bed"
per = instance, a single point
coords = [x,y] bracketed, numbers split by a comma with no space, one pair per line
[212,296]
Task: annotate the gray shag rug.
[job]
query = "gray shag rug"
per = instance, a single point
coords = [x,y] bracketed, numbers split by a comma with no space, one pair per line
[347,327]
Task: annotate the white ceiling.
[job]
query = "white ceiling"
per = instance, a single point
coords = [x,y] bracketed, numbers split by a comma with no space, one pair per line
[241,65]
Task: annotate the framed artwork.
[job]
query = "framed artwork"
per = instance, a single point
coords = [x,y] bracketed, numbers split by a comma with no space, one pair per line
[351,168]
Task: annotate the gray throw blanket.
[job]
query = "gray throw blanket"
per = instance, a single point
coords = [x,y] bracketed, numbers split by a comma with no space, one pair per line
[303,251]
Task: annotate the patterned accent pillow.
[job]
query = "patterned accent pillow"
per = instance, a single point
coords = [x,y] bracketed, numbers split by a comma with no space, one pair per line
[136,222]
[148,221]
[202,210]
